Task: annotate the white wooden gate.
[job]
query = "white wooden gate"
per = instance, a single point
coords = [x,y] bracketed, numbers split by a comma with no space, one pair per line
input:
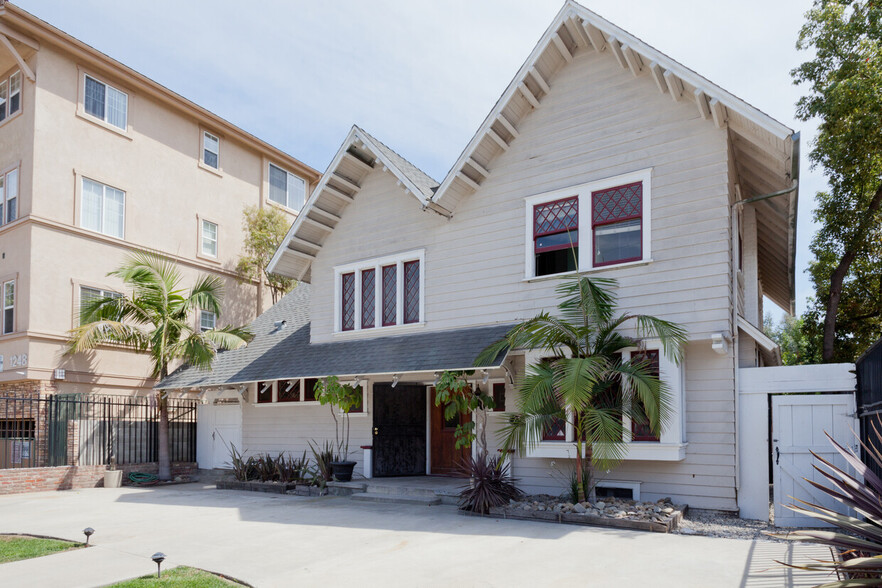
[219,427]
[798,426]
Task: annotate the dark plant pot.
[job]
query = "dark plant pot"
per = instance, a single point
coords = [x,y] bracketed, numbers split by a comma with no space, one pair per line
[343,470]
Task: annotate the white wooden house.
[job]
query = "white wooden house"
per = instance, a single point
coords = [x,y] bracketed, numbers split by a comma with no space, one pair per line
[599,139]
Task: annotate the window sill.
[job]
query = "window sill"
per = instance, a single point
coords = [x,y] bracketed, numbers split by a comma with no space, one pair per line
[212,170]
[282,207]
[208,258]
[105,125]
[590,270]
[378,331]
[11,118]
[637,451]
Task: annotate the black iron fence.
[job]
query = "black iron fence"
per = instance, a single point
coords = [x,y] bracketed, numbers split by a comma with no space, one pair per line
[81,429]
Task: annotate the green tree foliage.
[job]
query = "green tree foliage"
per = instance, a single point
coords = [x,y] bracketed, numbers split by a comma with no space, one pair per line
[584,382]
[265,228]
[459,398]
[156,320]
[844,80]
[790,336]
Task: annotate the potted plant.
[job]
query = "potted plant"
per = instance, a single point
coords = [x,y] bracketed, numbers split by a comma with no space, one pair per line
[342,398]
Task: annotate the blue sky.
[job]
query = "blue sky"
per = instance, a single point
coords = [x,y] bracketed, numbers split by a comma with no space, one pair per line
[419,75]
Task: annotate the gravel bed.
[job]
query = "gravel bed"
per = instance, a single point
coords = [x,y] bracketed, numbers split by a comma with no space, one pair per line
[611,508]
[709,524]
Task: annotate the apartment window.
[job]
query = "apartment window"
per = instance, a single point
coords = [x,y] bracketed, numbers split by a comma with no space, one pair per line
[209,238]
[614,213]
[640,429]
[88,294]
[368,297]
[8,307]
[616,223]
[10,95]
[207,320]
[286,188]
[381,292]
[265,392]
[288,390]
[103,209]
[556,236]
[348,301]
[210,150]
[8,197]
[106,103]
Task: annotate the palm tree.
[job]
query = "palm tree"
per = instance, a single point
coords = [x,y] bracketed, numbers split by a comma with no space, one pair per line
[155,321]
[584,382]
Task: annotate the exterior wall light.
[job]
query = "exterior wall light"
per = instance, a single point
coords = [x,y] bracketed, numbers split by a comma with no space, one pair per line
[395,379]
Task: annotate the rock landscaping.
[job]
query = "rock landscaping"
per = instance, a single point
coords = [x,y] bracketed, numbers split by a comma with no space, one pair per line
[662,516]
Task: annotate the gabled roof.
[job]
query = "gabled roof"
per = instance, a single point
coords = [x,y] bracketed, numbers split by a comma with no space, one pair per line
[764,150]
[284,352]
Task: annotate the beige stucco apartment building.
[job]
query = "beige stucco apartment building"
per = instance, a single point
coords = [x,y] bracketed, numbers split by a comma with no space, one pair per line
[96,160]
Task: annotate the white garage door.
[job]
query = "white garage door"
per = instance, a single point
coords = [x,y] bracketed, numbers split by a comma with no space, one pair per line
[219,427]
[798,426]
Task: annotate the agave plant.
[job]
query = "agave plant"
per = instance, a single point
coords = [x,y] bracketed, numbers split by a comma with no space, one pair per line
[490,485]
[857,542]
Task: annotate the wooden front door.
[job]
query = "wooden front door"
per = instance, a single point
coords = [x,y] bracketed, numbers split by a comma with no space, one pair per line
[399,430]
[446,459]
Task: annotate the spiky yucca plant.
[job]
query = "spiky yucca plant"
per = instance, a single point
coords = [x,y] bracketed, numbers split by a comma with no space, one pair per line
[859,542]
[490,484]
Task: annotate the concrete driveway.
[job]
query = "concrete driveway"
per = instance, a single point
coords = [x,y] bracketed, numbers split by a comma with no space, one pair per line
[271,540]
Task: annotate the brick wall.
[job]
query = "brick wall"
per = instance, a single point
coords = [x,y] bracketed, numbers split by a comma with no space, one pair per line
[12,409]
[15,481]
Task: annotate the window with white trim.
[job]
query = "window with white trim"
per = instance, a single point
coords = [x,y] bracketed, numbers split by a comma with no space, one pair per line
[103,209]
[380,293]
[8,196]
[210,150]
[296,390]
[89,294]
[10,95]
[8,307]
[105,102]
[207,320]
[208,238]
[614,213]
[285,188]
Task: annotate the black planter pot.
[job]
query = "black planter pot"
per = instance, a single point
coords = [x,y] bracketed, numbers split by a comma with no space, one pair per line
[343,470]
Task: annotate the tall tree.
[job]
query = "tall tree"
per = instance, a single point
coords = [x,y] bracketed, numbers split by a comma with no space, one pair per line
[265,228]
[156,320]
[844,80]
[790,336]
[585,383]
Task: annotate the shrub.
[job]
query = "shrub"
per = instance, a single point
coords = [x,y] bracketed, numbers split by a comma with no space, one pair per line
[490,485]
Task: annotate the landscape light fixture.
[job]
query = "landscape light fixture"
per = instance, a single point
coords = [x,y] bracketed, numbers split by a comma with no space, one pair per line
[486,377]
[88,533]
[158,557]
[395,379]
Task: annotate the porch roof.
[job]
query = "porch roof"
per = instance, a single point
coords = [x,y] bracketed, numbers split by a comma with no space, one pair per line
[286,352]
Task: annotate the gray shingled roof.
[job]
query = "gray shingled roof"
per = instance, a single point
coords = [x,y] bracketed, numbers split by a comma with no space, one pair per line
[277,354]
[420,179]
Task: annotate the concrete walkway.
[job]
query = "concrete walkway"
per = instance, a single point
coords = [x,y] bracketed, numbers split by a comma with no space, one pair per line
[276,540]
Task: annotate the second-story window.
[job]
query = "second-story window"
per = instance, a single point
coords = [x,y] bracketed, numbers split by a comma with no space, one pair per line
[207,320]
[616,221]
[556,236]
[381,292]
[285,188]
[8,197]
[10,95]
[210,150]
[209,238]
[103,209]
[8,307]
[106,103]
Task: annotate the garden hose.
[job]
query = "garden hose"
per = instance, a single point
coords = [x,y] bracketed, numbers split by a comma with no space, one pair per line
[143,479]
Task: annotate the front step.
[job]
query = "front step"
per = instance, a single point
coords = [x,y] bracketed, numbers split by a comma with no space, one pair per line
[396,490]
[396,498]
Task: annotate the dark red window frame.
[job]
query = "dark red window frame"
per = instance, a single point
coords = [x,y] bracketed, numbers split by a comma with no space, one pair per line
[368,298]
[642,432]
[347,301]
[557,432]
[309,389]
[267,396]
[614,218]
[569,224]
[499,397]
[360,407]
[390,295]
[411,292]
[284,396]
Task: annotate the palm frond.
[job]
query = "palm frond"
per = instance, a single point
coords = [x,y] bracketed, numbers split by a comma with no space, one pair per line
[229,337]
[542,332]
[646,394]
[586,301]
[673,337]
[576,379]
[206,294]
[102,332]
